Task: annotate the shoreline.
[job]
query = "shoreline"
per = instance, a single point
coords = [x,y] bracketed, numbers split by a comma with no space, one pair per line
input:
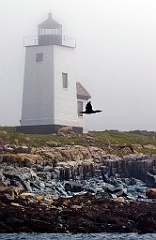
[79,214]
[33,200]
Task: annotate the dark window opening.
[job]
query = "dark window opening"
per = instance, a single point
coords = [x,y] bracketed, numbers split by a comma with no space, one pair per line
[39,57]
[64,80]
[80,108]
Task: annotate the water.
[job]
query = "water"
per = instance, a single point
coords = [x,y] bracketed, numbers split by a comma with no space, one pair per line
[93,236]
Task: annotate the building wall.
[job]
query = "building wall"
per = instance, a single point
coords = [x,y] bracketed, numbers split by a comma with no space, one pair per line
[45,101]
[38,95]
[65,100]
[83,119]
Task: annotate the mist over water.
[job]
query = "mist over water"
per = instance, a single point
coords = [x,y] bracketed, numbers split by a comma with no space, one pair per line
[65,236]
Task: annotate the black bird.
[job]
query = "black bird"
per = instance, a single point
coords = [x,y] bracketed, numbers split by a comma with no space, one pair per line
[89,109]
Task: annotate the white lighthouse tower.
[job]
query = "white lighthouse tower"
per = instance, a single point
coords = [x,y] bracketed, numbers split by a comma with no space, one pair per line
[51,96]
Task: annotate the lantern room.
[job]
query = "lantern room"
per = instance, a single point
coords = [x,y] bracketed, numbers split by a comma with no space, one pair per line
[49,32]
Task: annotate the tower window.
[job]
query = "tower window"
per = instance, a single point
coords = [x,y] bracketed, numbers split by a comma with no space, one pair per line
[56,31]
[39,57]
[80,108]
[64,80]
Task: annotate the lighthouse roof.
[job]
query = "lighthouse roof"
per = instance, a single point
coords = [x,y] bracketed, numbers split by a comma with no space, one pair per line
[82,92]
[50,23]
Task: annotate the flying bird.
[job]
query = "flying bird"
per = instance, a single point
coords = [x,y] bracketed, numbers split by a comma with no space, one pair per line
[89,109]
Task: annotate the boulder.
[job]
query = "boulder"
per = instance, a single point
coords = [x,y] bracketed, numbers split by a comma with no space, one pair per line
[119,200]
[52,144]
[22,149]
[66,130]
[151,193]
[72,186]
[117,189]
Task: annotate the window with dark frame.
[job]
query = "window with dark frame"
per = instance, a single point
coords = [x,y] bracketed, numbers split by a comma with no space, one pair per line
[39,57]
[80,108]
[64,80]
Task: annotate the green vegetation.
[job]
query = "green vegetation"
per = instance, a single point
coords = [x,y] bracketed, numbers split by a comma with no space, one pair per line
[8,135]
[109,139]
[140,141]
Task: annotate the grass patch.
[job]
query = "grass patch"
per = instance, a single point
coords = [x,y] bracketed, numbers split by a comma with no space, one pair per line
[102,139]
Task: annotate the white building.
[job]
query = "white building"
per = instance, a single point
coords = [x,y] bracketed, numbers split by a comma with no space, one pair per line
[51,96]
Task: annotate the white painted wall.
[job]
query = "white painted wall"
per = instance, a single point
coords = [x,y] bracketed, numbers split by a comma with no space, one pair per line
[83,120]
[38,96]
[44,99]
[65,100]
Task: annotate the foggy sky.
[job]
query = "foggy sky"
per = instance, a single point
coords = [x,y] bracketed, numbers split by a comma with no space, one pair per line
[115,56]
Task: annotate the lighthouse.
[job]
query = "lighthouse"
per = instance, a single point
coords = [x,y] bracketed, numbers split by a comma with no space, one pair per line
[52,98]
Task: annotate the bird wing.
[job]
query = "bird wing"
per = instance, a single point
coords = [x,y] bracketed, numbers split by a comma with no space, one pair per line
[89,107]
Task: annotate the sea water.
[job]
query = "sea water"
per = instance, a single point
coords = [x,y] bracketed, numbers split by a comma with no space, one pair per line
[66,236]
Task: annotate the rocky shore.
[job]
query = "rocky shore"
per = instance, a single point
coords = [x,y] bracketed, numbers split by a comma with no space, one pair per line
[76,189]
[76,162]
[79,214]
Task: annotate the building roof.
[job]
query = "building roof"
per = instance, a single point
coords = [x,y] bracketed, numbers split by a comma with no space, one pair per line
[50,23]
[82,92]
